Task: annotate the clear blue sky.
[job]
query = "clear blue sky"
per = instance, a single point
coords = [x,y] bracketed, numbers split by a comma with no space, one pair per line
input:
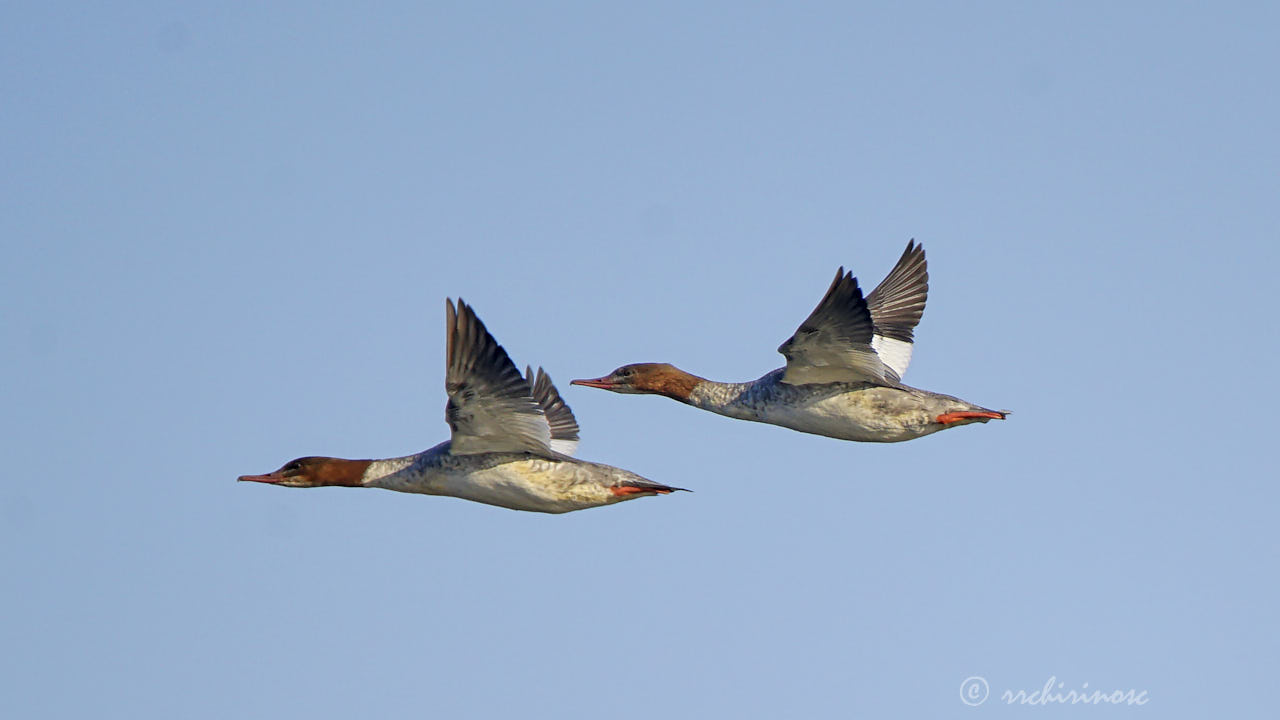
[228,233]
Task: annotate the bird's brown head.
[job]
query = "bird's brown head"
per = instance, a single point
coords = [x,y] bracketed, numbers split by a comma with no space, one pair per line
[314,472]
[646,378]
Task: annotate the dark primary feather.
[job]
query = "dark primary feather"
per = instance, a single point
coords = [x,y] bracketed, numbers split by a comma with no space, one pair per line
[897,303]
[491,406]
[564,426]
[841,316]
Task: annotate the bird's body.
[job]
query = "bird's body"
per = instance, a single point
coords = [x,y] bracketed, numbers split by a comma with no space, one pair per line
[552,483]
[843,372]
[860,411]
[511,444]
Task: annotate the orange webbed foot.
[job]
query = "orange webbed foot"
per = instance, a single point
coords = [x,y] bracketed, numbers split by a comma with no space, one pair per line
[948,418]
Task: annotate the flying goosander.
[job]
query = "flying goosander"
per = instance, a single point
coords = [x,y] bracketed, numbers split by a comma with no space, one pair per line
[510,445]
[844,369]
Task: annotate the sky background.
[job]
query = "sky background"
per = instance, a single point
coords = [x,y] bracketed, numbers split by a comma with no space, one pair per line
[228,233]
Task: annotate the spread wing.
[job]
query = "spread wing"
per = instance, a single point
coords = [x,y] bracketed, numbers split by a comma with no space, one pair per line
[849,338]
[896,306]
[834,343]
[564,427]
[491,406]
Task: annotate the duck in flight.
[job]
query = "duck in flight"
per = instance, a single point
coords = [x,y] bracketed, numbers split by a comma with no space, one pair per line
[510,444]
[843,377]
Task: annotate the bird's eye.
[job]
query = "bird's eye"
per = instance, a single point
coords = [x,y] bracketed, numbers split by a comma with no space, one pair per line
[292,467]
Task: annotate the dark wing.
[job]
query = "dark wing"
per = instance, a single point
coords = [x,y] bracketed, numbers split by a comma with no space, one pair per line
[834,343]
[564,427]
[896,306]
[491,406]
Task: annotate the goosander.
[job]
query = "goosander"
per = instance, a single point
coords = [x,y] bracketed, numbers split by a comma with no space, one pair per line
[843,374]
[510,442]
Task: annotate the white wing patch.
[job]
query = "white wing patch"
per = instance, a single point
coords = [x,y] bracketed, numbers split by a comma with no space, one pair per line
[564,447]
[894,353]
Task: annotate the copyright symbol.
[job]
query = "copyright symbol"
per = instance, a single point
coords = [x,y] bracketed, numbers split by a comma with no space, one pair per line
[974,690]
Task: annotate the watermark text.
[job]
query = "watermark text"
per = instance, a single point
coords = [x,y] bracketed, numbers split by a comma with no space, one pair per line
[975,690]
